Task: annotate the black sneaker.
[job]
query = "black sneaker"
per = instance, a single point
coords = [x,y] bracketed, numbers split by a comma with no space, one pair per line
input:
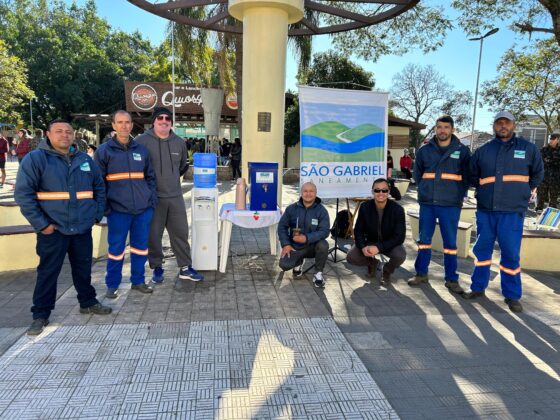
[473,295]
[112,293]
[142,288]
[514,305]
[418,280]
[97,309]
[454,287]
[298,271]
[319,280]
[37,326]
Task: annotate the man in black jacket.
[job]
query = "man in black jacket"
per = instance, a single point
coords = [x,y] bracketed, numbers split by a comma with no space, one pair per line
[380,229]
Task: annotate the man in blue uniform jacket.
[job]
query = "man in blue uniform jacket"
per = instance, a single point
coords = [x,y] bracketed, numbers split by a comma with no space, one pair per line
[303,230]
[131,197]
[505,171]
[61,193]
[442,175]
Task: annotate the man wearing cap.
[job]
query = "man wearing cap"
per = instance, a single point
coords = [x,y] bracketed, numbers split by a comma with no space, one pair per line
[505,171]
[170,161]
[442,175]
[549,190]
[131,197]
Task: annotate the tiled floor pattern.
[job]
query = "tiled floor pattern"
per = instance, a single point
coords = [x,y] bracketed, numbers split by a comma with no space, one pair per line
[269,369]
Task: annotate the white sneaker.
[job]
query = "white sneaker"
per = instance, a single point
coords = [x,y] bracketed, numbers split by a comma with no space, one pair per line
[319,280]
[298,270]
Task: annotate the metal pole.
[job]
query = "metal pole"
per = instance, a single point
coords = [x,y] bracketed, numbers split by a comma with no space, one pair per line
[476,94]
[173,67]
[31,114]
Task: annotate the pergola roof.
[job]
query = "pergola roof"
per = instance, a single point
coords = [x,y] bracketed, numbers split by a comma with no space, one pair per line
[218,18]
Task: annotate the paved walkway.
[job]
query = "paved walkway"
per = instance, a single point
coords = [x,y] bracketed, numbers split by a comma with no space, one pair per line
[256,343]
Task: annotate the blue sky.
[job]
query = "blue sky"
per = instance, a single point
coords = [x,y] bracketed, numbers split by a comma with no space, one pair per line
[457,60]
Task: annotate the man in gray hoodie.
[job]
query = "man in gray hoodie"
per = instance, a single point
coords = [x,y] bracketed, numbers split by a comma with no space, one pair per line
[170,161]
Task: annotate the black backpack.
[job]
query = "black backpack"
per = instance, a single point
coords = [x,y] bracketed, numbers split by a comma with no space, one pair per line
[341,224]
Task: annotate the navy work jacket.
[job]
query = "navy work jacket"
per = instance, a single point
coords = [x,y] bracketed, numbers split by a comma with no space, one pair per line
[504,173]
[442,178]
[129,176]
[66,191]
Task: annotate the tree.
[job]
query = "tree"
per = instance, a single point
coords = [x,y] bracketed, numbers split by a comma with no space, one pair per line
[527,15]
[421,94]
[528,83]
[328,69]
[427,24]
[14,90]
[76,62]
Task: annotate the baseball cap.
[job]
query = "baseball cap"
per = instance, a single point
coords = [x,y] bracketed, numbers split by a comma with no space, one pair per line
[504,114]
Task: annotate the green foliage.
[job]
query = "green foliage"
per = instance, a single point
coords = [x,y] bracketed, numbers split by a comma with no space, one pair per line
[328,69]
[423,26]
[291,124]
[76,62]
[527,16]
[426,25]
[528,83]
[331,69]
[14,89]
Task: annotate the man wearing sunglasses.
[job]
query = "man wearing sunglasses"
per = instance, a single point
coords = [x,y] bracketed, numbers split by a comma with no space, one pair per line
[442,175]
[380,229]
[170,160]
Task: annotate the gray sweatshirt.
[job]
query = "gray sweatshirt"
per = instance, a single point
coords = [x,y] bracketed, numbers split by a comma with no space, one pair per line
[169,159]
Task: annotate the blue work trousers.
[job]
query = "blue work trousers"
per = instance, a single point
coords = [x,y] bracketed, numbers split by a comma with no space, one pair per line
[507,227]
[120,224]
[448,218]
[52,250]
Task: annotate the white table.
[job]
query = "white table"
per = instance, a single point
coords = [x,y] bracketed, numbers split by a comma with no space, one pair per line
[247,219]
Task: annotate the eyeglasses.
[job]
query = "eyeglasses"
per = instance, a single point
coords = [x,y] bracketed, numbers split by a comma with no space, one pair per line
[379,190]
[163,118]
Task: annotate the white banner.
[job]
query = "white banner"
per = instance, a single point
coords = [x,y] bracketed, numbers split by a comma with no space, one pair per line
[343,140]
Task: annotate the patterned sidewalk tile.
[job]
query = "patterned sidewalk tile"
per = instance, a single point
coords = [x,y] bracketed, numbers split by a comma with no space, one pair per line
[240,369]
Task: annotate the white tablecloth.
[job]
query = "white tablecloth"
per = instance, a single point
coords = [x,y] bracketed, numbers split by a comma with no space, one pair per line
[248,218]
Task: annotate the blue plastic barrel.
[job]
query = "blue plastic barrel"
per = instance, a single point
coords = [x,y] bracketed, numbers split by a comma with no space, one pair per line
[204,170]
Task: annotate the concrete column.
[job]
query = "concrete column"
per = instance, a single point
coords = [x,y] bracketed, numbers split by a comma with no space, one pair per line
[265,37]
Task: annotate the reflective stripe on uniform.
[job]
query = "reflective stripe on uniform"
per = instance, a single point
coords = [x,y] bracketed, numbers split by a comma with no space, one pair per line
[487,180]
[516,178]
[138,251]
[483,263]
[429,175]
[424,246]
[450,251]
[451,177]
[115,257]
[124,175]
[510,271]
[53,195]
[84,194]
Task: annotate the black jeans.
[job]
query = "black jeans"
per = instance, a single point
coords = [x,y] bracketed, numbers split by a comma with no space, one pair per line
[318,250]
[397,256]
[52,250]
[235,168]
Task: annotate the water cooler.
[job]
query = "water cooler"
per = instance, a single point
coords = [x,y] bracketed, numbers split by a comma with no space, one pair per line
[264,186]
[204,206]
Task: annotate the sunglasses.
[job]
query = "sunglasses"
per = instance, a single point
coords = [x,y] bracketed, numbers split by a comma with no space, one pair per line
[163,118]
[379,190]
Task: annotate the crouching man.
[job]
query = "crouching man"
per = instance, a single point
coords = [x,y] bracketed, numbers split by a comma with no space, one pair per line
[303,230]
[380,229]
